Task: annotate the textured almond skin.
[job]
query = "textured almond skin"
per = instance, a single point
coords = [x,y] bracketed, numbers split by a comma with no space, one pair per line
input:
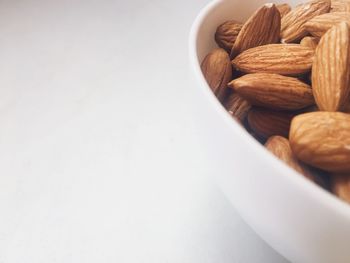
[322,139]
[280,147]
[319,25]
[311,42]
[262,28]
[340,186]
[226,34]
[284,59]
[217,70]
[283,9]
[292,29]
[237,106]
[273,91]
[331,71]
[266,123]
[340,6]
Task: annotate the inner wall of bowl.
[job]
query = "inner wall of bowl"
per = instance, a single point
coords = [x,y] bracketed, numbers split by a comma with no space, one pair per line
[226,10]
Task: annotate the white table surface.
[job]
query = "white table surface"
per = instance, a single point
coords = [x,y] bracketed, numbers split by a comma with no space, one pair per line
[100,157]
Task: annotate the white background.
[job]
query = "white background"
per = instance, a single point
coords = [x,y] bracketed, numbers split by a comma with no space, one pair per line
[100,157]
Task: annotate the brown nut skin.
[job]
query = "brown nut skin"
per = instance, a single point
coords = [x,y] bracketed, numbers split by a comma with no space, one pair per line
[237,106]
[283,59]
[226,34]
[340,6]
[280,147]
[266,123]
[262,28]
[330,69]
[284,9]
[292,24]
[217,70]
[311,42]
[273,91]
[322,139]
[319,25]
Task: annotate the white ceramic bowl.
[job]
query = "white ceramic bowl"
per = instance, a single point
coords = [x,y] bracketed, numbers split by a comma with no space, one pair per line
[296,217]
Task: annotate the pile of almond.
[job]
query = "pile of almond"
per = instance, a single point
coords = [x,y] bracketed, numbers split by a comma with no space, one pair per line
[284,74]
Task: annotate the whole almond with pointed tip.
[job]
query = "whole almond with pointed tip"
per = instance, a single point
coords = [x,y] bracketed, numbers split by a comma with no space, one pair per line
[266,123]
[217,70]
[284,59]
[331,70]
[311,42]
[237,106]
[319,25]
[292,29]
[340,6]
[262,28]
[273,91]
[283,9]
[340,185]
[280,147]
[322,139]
[226,34]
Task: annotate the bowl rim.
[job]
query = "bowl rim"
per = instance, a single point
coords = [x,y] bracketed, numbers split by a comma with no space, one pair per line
[328,199]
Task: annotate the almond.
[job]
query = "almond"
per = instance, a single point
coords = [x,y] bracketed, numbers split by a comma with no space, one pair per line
[340,186]
[217,70]
[266,123]
[340,6]
[311,42]
[284,59]
[237,106]
[319,25]
[283,9]
[292,29]
[262,28]
[280,147]
[226,34]
[273,91]
[322,139]
[331,70]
